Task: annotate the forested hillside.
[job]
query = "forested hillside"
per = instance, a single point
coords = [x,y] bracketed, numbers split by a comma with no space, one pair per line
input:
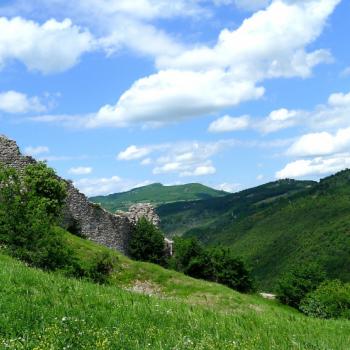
[277,232]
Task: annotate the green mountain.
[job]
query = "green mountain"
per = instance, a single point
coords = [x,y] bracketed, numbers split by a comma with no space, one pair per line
[178,218]
[146,307]
[157,194]
[273,229]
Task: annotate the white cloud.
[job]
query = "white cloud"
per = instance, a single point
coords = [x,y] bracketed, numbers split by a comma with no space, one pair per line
[190,158]
[80,171]
[134,152]
[205,80]
[283,32]
[201,170]
[260,177]
[227,123]
[15,102]
[317,166]
[182,158]
[34,151]
[279,119]
[121,24]
[49,48]
[172,95]
[229,187]
[323,143]
[146,161]
[104,186]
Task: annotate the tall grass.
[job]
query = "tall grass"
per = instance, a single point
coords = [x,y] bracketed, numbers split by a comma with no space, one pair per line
[47,311]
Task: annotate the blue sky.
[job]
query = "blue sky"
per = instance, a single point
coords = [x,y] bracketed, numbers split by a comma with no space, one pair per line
[230,93]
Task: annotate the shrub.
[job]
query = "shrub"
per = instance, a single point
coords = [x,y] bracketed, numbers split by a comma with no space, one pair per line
[147,243]
[185,250]
[231,271]
[297,283]
[212,264]
[103,266]
[330,300]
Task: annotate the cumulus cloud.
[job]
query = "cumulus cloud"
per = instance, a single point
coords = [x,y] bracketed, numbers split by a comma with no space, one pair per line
[134,152]
[322,143]
[119,24]
[104,186]
[52,47]
[205,80]
[14,102]
[35,151]
[80,171]
[316,166]
[279,119]
[172,95]
[229,187]
[185,159]
[227,123]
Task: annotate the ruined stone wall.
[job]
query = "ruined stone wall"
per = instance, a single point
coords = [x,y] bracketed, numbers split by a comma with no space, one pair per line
[140,210]
[91,220]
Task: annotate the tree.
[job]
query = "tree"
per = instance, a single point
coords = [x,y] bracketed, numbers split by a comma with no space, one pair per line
[231,271]
[147,243]
[30,205]
[298,282]
[184,251]
[330,300]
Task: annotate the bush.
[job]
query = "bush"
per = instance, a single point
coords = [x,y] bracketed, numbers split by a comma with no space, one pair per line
[103,266]
[330,300]
[184,251]
[147,243]
[30,206]
[231,271]
[297,283]
[212,264]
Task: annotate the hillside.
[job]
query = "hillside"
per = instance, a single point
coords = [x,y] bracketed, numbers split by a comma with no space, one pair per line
[156,194]
[48,311]
[178,218]
[310,226]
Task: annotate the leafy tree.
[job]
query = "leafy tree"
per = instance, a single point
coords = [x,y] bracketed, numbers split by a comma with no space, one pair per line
[184,251]
[297,283]
[330,300]
[231,271]
[147,243]
[30,205]
[201,266]
[212,264]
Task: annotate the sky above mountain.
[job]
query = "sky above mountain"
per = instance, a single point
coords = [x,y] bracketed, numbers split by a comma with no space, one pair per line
[116,94]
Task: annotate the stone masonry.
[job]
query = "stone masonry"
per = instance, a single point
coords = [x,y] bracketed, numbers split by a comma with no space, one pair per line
[140,210]
[89,219]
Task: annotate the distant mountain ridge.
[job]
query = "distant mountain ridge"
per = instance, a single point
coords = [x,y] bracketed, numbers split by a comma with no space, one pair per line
[157,194]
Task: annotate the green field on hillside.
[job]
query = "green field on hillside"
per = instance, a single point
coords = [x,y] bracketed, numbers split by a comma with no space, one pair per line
[48,311]
[156,194]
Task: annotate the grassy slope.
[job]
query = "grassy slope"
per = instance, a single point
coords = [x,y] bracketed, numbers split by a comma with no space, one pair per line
[48,311]
[156,194]
[313,226]
[178,218]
